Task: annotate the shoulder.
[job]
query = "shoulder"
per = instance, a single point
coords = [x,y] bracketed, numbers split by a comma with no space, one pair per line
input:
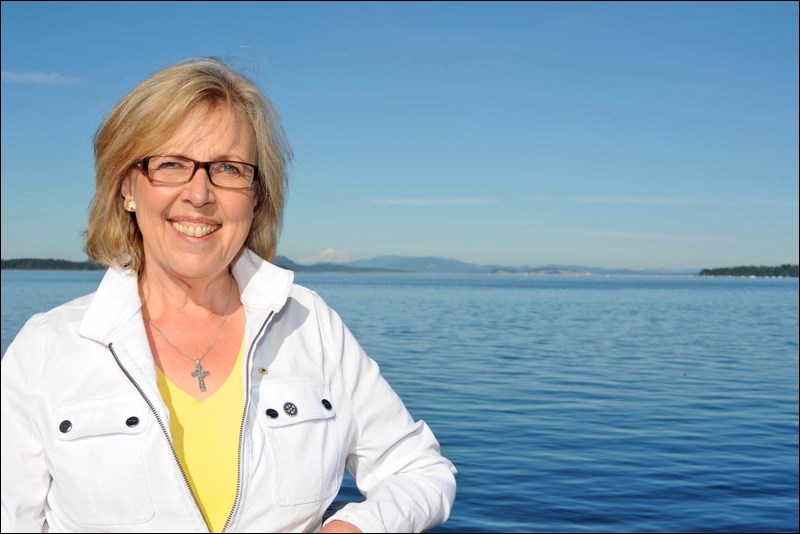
[312,301]
[304,295]
[49,329]
[75,308]
[42,338]
[60,317]
[307,314]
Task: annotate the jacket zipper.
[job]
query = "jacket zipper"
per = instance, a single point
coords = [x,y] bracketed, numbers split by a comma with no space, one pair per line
[244,420]
[164,431]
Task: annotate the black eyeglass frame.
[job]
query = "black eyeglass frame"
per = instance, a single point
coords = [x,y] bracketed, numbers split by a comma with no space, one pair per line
[144,162]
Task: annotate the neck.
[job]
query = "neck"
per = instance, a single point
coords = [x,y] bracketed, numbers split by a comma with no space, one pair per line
[164,296]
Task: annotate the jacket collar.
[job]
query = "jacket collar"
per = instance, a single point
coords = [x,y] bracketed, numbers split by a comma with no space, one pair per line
[264,288]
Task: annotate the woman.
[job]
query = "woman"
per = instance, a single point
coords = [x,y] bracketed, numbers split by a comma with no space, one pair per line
[198,389]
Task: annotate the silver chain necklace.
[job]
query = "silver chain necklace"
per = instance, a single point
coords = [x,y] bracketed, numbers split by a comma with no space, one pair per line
[199,373]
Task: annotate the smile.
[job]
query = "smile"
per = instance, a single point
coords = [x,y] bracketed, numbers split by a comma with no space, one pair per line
[195,231]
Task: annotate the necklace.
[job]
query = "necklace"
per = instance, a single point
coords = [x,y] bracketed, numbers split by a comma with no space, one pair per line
[199,373]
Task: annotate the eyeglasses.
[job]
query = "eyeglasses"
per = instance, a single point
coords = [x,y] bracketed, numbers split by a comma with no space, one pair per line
[176,170]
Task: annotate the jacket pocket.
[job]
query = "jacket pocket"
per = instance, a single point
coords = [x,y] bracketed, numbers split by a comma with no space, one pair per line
[99,475]
[300,424]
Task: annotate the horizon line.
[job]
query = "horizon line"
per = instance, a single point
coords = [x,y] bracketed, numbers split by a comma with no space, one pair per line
[495,265]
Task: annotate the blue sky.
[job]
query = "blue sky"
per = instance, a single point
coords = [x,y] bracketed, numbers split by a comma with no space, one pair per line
[638,135]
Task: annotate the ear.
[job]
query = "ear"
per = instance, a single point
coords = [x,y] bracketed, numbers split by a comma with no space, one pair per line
[126,188]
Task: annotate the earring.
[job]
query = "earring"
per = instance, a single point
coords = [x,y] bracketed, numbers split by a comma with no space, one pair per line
[130,206]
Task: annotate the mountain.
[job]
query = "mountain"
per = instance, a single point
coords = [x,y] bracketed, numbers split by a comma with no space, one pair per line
[419,264]
[286,263]
[433,264]
[379,264]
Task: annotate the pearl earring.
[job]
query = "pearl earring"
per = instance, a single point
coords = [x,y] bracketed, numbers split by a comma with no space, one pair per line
[130,206]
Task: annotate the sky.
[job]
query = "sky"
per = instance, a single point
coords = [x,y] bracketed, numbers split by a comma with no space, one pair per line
[618,135]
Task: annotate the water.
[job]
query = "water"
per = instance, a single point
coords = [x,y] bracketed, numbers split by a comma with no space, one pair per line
[574,404]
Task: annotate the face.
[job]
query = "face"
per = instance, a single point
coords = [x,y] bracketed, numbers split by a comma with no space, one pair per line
[195,230]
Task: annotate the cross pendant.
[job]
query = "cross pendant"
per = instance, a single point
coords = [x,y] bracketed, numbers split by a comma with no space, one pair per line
[200,374]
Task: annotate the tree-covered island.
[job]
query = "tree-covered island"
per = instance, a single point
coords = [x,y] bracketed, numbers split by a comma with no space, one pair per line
[784,271]
[49,264]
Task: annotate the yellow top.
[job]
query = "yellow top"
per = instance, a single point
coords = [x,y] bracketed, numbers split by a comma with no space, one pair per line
[206,438]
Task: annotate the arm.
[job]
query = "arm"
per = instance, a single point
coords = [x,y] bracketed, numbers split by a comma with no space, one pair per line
[409,486]
[25,479]
[339,526]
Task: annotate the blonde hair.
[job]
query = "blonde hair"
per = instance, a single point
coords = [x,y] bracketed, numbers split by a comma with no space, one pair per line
[147,118]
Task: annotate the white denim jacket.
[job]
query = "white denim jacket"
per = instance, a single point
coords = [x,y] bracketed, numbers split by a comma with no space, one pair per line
[86,444]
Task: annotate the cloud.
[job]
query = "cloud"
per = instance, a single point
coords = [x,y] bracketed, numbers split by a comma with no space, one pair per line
[649,236]
[37,78]
[431,201]
[637,201]
[665,201]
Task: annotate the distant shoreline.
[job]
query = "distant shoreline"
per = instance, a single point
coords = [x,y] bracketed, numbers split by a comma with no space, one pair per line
[751,271]
[49,264]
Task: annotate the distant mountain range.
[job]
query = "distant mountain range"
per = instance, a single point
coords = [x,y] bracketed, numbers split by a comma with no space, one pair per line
[381,264]
[433,264]
[286,263]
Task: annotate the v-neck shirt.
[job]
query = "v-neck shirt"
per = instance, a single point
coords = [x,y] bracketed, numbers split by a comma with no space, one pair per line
[205,435]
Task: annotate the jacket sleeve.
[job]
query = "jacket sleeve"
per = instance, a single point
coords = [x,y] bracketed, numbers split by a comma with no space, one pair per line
[25,478]
[396,462]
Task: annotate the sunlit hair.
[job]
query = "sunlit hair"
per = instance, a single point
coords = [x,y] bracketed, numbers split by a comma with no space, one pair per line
[147,119]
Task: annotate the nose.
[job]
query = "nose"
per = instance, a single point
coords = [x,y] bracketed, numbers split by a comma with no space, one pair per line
[198,190]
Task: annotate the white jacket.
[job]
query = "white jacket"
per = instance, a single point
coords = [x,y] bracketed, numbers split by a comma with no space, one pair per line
[87,365]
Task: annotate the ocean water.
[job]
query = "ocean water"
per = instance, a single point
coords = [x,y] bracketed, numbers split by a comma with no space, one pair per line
[574,404]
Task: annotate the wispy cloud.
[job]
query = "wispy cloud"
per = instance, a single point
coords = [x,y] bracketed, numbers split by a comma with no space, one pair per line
[431,201]
[649,236]
[666,201]
[37,78]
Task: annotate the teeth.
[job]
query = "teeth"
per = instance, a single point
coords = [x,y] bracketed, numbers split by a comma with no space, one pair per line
[195,231]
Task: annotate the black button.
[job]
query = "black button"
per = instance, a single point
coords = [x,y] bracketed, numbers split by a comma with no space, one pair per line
[65,426]
[272,413]
[132,421]
[290,409]
[327,404]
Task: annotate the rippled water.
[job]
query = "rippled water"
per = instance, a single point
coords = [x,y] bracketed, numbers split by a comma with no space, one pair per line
[575,403]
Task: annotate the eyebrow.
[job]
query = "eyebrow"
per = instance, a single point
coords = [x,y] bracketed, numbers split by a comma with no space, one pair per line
[220,158]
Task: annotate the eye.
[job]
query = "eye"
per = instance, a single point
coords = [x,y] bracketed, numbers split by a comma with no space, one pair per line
[228,168]
[168,164]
